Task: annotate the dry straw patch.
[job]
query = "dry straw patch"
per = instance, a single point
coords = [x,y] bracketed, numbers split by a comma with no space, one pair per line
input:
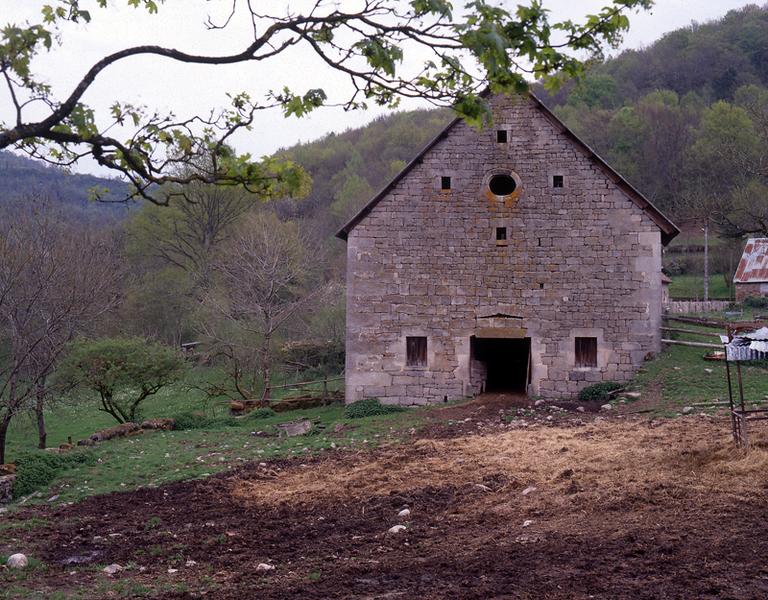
[614,463]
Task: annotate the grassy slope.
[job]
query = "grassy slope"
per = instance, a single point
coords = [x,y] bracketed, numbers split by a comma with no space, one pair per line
[158,457]
[692,286]
[679,377]
[682,377]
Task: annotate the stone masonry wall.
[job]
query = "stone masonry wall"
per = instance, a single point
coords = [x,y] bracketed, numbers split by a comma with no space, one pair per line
[581,260]
[745,290]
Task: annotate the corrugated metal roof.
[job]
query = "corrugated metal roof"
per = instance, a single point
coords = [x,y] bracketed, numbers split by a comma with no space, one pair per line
[753,266]
[747,346]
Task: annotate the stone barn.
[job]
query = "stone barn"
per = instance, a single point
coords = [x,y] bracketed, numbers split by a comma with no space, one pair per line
[751,278]
[506,259]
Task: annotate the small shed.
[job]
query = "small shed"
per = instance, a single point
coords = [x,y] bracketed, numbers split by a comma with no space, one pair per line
[751,277]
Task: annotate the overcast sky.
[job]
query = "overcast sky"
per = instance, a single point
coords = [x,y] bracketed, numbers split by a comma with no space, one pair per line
[191,90]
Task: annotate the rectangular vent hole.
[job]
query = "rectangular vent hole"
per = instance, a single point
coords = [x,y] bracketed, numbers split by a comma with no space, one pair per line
[445,183]
[557,181]
[501,136]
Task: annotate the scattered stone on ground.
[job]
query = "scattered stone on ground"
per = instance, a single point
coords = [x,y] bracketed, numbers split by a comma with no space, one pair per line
[17,561]
[164,424]
[633,394]
[529,490]
[396,529]
[112,569]
[110,433]
[6,488]
[295,428]
[687,410]
[708,370]
[405,513]
[527,522]
[264,568]
[606,407]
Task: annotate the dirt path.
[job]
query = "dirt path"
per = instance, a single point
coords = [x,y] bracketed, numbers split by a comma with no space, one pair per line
[621,509]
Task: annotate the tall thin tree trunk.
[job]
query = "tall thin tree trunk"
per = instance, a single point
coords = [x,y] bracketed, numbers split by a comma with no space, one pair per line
[266,367]
[42,435]
[706,260]
[6,421]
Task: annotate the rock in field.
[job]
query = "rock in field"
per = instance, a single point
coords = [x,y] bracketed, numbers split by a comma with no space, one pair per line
[163,424]
[528,490]
[687,410]
[294,428]
[6,488]
[606,407]
[405,513]
[264,568]
[112,569]
[17,561]
[396,529]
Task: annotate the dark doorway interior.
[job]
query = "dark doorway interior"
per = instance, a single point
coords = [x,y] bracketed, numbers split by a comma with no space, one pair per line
[506,362]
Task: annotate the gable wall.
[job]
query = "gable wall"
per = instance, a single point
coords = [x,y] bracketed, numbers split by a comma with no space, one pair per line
[425,262]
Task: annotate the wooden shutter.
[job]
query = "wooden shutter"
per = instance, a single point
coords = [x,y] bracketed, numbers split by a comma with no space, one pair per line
[586,352]
[416,351]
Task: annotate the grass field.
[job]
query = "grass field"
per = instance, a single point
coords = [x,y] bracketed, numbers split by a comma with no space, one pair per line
[677,378]
[158,457]
[692,286]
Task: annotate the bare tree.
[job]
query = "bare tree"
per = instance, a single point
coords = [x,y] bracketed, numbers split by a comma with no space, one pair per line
[265,275]
[56,280]
[186,234]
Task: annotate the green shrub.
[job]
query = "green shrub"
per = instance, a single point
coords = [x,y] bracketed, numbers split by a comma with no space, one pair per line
[35,470]
[258,414]
[370,407]
[600,392]
[756,301]
[192,420]
[121,372]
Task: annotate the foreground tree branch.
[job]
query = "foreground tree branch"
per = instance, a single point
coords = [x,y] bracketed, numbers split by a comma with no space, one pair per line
[484,47]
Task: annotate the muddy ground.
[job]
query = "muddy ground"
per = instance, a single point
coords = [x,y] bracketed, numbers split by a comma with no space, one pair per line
[577,506]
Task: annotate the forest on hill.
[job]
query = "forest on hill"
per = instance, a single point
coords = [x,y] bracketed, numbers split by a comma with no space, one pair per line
[685,120]
[25,179]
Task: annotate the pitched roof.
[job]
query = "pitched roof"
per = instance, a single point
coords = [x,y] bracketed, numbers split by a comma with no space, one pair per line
[753,266]
[668,229]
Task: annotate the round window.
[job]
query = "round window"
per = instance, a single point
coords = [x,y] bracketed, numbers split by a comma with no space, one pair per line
[502,185]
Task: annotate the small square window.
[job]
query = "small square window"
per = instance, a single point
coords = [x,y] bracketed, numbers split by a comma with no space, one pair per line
[586,352]
[416,351]
[541,286]
[501,233]
[501,136]
[557,181]
[445,183]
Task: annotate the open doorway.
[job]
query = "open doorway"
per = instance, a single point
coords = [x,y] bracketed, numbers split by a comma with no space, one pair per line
[504,363]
